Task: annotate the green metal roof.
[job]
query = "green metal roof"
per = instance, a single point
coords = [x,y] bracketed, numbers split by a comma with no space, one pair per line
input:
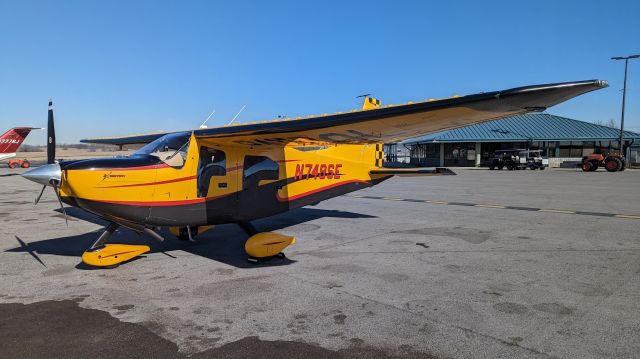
[535,127]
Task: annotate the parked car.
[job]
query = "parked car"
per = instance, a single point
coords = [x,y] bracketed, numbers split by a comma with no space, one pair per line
[534,159]
[517,159]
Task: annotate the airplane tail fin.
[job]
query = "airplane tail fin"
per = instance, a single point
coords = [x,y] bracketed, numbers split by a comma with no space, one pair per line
[370,103]
[12,139]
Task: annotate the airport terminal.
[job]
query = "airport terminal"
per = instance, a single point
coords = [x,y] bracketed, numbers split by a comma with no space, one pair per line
[561,139]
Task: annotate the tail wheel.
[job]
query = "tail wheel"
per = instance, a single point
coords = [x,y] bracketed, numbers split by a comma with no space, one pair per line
[25,164]
[586,166]
[612,164]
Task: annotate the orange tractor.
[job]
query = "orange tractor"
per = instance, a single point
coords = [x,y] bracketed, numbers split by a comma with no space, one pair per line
[612,162]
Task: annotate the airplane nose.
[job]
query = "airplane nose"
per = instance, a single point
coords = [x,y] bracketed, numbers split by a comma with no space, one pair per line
[44,174]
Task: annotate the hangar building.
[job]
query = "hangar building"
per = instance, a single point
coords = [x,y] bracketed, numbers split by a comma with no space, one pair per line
[561,139]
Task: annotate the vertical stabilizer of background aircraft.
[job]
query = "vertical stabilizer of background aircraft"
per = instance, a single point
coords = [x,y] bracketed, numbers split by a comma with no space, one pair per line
[12,139]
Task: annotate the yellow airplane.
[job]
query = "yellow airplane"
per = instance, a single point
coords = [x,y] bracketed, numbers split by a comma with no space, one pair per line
[189,181]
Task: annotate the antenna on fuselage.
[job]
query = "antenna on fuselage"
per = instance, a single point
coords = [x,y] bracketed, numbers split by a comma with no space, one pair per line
[236,116]
[204,124]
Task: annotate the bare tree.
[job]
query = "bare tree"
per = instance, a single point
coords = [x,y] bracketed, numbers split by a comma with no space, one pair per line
[611,123]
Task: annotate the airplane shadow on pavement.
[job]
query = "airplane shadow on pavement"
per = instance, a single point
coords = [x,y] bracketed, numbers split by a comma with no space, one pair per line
[224,243]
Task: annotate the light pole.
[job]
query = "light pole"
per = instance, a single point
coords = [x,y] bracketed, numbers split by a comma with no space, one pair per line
[624,96]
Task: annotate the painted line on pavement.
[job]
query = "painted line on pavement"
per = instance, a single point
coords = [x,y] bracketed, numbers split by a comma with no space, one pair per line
[500,206]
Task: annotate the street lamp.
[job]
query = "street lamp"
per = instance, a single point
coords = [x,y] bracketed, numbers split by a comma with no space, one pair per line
[624,95]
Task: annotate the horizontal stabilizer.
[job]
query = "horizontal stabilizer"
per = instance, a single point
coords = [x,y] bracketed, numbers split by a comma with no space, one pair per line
[440,171]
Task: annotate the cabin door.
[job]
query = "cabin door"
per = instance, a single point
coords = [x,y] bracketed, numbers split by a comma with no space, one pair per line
[217,182]
[259,187]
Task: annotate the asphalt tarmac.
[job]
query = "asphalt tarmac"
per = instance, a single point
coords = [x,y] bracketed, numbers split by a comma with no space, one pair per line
[524,264]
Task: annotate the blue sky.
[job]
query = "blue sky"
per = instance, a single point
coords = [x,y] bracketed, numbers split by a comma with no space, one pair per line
[127,67]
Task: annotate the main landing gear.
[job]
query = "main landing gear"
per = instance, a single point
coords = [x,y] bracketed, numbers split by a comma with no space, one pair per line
[108,255]
[264,246]
[260,247]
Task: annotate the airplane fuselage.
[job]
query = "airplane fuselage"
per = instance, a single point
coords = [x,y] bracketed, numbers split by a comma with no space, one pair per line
[218,183]
[4,156]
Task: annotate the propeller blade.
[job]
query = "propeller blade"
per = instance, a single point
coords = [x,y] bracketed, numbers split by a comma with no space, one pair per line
[40,195]
[51,136]
[55,189]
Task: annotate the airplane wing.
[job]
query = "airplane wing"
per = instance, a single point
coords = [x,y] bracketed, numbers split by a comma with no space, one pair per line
[397,122]
[135,140]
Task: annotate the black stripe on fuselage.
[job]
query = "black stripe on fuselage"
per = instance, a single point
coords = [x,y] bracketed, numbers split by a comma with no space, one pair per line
[113,162]
[244,205]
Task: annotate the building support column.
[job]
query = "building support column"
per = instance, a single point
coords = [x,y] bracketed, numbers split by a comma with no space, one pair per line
[478,154]
[442,154]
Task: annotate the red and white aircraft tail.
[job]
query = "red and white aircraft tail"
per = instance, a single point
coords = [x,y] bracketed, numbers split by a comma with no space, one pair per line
[12,139]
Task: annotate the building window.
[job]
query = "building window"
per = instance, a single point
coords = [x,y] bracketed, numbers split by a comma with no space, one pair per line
[425,154]
[459,154]
[551,149]
[565,148]
[588,147]
[615,145]
[576,149]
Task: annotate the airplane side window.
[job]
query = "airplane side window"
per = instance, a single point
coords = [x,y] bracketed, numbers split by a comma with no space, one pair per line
[257,168]
[212,163]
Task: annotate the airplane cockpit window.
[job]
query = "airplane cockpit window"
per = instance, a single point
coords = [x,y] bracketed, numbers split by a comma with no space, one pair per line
[170,149]
[212,163]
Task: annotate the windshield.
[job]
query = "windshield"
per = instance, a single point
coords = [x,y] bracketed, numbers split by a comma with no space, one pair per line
[171,149]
